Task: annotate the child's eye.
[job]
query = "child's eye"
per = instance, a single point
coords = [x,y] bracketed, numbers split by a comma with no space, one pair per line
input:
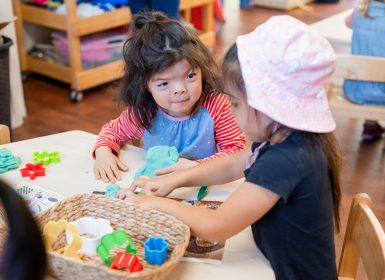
[191,75]
[162,84]
[234,104]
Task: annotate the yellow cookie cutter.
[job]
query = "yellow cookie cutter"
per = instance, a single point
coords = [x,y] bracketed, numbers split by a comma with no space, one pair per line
[52,230]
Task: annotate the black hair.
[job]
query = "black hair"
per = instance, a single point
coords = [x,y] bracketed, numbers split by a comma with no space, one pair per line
[157,43]
[24,256]
[232,75]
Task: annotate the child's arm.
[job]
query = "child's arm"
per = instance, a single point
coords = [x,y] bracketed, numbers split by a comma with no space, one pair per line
[246,205]
[106,150]
[117,132]
[214,172]
[229,138]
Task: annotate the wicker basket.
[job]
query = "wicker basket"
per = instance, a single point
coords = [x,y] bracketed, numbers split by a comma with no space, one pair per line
[139,223]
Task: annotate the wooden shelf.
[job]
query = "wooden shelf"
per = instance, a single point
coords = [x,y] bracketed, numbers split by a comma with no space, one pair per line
[82,26]
[43,17]
[79,78]
[95,76]
[53,70]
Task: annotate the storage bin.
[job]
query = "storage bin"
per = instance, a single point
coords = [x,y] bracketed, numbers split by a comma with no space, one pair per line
[96,49]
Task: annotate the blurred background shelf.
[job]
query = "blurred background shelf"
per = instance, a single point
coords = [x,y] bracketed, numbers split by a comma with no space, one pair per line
[75,73]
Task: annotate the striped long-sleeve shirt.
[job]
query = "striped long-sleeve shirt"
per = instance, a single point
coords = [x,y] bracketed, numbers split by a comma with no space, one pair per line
[209,133]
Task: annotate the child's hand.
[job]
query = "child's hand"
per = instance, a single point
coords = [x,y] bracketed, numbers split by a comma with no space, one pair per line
[158,186]
[107,165]
[127,195]
[182,163]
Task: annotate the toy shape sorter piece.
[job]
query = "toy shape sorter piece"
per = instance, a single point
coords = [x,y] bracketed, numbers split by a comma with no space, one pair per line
[91,231]
[155,250]
[8,161]
[33,170]
[45,157]
[112,190]
[115,239]
[51,232]
[126,261]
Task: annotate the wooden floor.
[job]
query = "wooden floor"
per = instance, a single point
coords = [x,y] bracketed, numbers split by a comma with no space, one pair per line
[50,111]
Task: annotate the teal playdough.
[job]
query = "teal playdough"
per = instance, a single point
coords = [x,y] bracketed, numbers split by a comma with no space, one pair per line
[158,157]
[112,189]
[8,161]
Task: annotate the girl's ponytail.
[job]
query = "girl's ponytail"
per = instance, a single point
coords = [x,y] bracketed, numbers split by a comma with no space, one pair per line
[24,255]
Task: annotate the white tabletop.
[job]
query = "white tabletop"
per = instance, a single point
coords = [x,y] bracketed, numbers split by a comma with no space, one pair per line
[334,28]
[73,175]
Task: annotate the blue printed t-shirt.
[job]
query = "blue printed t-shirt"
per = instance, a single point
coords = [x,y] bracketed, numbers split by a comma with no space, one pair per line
[193,136]
[368,39]
[296,235]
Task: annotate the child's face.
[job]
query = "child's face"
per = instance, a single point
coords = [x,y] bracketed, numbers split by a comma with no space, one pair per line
[177,88]
[253,123]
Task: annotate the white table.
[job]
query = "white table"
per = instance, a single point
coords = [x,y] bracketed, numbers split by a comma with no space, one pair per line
[73,175]
[334,28]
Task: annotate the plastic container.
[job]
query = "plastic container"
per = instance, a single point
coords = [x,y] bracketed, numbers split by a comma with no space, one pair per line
[5,99]
[96,49]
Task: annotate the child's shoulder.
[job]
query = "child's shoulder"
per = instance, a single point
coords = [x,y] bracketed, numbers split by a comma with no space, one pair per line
[216,98]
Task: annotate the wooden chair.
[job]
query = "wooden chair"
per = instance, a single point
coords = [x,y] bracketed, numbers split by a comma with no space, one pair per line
[365,239]
[354,67]
[4,134]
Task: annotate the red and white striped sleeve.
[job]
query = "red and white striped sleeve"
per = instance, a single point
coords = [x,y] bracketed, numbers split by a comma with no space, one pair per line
[229,138]
[116,133]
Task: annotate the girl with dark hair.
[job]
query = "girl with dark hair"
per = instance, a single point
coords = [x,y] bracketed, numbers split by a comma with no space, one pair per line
[275,78]
[171,87]
[23,255]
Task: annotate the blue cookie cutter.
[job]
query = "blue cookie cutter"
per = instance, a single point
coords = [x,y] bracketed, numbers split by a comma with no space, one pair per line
[155,250]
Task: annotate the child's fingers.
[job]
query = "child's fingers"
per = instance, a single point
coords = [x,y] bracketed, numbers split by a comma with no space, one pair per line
[121,194]
[96,173]
[165,171]
[103,176]
[138,183]
[110,176]
[122,166]
[116,172]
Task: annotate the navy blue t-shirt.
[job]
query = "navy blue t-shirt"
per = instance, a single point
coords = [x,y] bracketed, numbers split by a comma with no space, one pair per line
[296,235]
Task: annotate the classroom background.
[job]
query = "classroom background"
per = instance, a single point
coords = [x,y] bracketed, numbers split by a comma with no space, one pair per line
[43,102]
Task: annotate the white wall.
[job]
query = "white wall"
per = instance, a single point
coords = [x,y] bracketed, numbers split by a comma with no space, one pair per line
[18,110]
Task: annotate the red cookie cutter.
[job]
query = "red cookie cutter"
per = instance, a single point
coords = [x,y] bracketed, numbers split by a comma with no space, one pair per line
[33,170]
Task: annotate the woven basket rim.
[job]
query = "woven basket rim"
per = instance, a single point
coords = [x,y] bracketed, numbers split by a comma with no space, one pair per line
[178,250]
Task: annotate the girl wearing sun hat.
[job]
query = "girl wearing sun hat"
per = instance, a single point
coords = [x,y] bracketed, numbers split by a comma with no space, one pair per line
[275,78]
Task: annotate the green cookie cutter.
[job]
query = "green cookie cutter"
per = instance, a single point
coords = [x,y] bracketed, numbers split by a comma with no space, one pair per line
[115,239]
[45,157]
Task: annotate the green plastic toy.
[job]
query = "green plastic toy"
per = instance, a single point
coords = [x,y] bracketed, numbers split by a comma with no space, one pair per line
[45,157]
[115,239]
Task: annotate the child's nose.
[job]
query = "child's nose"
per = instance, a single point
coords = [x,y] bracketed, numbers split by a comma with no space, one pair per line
[179,89]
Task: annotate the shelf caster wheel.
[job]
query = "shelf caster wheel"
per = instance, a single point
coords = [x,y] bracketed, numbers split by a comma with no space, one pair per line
[76,96]
[25,75]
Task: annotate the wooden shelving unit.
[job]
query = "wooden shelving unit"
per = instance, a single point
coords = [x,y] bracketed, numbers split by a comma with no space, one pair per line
[81,79]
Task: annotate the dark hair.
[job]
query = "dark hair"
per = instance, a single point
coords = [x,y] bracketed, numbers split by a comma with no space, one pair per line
[231,70]
[159,42]
[24,255]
